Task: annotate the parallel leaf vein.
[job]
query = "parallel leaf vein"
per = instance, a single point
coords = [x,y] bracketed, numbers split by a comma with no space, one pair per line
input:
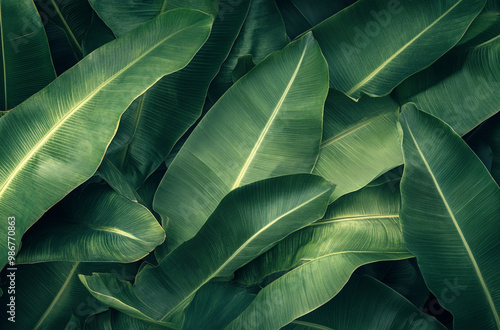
[268,124]
[71,112]
[459,230]
[396,54]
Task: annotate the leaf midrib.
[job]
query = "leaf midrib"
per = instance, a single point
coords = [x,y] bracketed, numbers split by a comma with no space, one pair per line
[459,230]
[355,218]
[106,229]
[54,129]
[343,252]
[264,132]
[3,59]
[66,26]
[396,54]
[56,298]
[243,246]
[311,325]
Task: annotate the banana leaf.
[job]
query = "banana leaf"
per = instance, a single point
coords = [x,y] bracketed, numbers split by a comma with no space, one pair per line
[267,124]
[463,87]
[449,215]
[248,221]
[95,225]
[361,140]
[365,303]
[401,36]
[172,105]
[47,294]
[23,40]
[115,178]
[50,145]
[317,261]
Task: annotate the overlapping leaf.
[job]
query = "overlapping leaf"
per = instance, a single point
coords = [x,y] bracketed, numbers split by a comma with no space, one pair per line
[73,16]
[94,225]
[50,144]
[359,228]
[262,34]
[463,87]
[160,116]
[47,293]
[360,141]
[267,124]
[365,303]
[248,221]
[401,38]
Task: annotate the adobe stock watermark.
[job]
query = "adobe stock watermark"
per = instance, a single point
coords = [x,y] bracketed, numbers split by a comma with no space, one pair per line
[363,35]
[32,27]
[448,295]
[11,269]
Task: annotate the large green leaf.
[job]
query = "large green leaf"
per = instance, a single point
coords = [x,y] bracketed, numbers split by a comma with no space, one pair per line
[358,228]
[267,124]
[94,225]
[463,87]
[57,126]
[248,221]
[401,37]
[365,303]
[262,34]
[172,105]
[450,209]
[23,41]
[361,140]
[47,293]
